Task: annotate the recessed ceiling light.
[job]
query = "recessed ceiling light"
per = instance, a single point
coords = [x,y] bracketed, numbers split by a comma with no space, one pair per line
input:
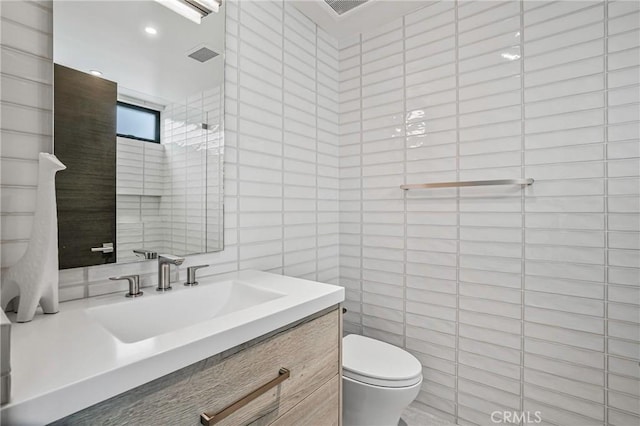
[151,30]
[95,72]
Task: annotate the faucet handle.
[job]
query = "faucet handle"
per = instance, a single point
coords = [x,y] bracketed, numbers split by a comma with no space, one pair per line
[134,284]
[191,274]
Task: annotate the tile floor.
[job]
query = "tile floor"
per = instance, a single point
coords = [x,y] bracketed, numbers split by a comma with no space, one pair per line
[414,416]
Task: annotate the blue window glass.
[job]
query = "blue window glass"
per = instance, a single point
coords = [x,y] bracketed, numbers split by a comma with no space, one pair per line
[138,123]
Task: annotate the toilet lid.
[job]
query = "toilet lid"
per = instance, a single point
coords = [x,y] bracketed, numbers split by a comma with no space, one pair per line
[377,363]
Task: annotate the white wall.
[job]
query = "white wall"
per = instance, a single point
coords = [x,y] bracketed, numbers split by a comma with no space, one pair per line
[281,180]
[512,299]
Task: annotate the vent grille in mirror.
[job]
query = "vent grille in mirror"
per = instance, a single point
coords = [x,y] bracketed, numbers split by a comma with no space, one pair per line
[203,54]
[342,6]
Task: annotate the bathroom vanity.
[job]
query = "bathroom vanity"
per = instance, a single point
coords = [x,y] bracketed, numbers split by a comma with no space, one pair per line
[267,352]
[293,374]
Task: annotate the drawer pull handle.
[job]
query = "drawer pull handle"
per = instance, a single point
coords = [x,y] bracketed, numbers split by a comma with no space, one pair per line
[211,419]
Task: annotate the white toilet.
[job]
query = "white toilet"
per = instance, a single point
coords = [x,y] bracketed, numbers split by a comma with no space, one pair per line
[379,381]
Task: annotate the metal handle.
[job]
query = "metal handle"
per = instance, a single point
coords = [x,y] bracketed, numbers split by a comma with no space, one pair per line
[106,248]
[191,274]
[523,182]
[134,284]
[211,419]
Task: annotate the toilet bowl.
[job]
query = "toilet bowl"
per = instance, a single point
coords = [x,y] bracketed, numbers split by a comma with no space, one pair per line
[379,381]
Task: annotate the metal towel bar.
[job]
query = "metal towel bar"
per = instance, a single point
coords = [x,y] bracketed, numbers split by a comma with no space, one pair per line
[522,182]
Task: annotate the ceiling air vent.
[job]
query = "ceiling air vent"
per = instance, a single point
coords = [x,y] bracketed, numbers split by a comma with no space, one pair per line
[203,54]
[342,6]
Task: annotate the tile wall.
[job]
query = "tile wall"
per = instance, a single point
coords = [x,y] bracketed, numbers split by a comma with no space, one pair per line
[140,179]
[281,147]
[26,102]
[281,141]
[281,144]
[213,103]
[190,151]
[513,299]
[163,190]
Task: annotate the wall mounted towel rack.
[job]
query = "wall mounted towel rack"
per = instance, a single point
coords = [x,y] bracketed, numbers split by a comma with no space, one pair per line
[521,182]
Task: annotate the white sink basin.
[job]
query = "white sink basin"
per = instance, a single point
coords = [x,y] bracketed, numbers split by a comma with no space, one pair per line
[154,314]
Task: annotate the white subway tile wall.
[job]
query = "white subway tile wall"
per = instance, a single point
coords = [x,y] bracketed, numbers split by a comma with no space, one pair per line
[513,299]
[281,141]
[26,102]
[191,141]
[140,178]
[280,180]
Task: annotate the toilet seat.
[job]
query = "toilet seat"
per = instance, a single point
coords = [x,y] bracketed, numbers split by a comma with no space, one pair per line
[378,363]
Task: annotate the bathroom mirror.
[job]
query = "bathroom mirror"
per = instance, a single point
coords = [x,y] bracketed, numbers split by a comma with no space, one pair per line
[138,119]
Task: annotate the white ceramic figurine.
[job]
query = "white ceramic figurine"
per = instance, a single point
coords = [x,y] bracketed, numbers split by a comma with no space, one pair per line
[34,278]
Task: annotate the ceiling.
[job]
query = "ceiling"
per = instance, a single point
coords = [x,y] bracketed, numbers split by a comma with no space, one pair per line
[362,18]
[110,36]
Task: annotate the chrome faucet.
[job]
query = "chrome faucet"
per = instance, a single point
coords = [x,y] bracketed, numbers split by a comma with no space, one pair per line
[164,267]
[146,254]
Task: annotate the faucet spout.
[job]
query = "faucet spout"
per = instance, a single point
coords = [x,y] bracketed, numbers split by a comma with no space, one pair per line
[171,259]
[164,268]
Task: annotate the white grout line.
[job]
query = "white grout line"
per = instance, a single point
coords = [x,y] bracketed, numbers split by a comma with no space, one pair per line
[457,191]
[315,27]
[404,195]
[523,193]
[283,29]
[361,222]
[605,76]
[238,134]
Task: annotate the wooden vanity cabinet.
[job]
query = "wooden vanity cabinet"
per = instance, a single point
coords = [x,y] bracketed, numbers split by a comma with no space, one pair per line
[309,349]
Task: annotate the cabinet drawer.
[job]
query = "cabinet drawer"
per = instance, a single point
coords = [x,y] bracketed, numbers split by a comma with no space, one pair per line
[318,409]
[310,351]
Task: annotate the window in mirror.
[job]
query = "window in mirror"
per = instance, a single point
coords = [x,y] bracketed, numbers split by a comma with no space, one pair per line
[136,122]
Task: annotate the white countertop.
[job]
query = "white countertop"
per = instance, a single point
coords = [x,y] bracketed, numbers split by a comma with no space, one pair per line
[66,362]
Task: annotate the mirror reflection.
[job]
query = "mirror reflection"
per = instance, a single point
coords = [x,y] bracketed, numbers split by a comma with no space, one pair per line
[138,117]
